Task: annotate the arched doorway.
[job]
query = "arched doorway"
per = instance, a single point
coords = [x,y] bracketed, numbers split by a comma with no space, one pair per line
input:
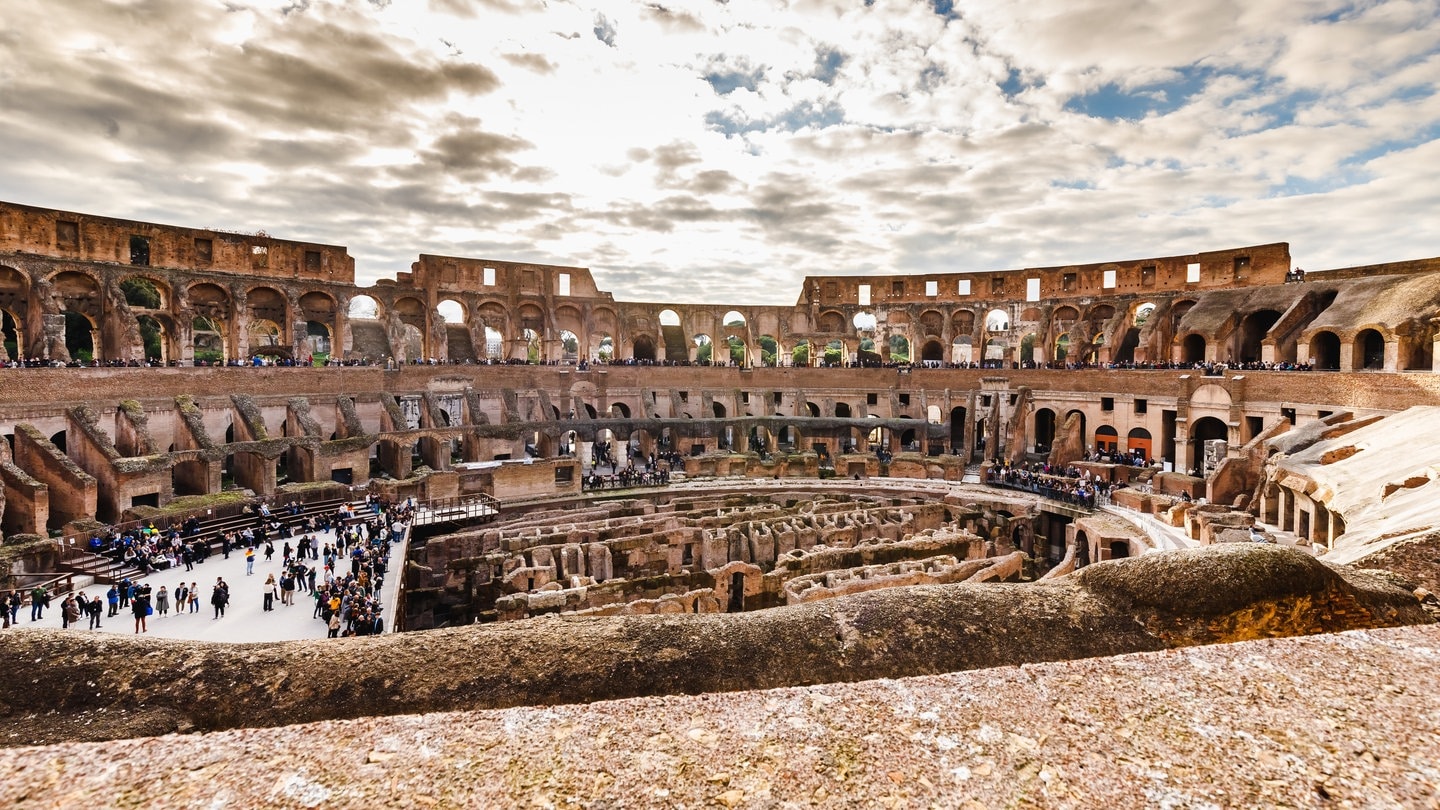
[1252,333]
[1325,351]
[1192,349]
[1209,439]
[644,349]
[1107,441]
[1044,430]
[1137,443]
[1369,351]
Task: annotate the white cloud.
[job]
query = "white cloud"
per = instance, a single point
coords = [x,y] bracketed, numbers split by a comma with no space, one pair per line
[739,145]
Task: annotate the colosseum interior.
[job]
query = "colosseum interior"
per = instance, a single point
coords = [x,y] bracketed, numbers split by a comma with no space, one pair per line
[879,434]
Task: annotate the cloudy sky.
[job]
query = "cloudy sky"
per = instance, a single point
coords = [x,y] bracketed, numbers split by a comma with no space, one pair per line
[719,150]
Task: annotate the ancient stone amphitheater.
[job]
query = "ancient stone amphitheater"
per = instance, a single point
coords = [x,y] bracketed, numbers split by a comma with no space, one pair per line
[888,545]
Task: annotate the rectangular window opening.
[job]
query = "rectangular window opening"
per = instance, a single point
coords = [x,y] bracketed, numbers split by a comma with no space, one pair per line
[872,399]
[1032,289]
[564,284]
[140,251]
[1142,406]
[312,260]
[932,289]
[1192,273]
[489,277]
[1107,403]
[1067,282]
[260,256]
[997,285]
[1288,414]
[897,288]
[905,400]
[863,294]
[1109,280]
[204,251]
[1147,276]
[963,287]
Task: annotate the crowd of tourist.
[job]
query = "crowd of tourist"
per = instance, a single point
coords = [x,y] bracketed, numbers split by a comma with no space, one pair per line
[343,577]
[1069,484]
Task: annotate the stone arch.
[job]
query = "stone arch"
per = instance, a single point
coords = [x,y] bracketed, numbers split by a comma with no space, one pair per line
[834,353]
[864,321]
[738,352]
[1251,334]
[898,349]
[932,324]
[365,307]
[569,346]
[14,299]
[266,338]
[1044,431]
[832,321]
[1065,314]
[643,348]
[1325,351]
[12,336]
[962,350]
[451,311]
[409,317]
[1369,351]
[997,320]
[704,351]
[82,337]
[962,321]
[771,352]
[933,352]
[602,347]
[210,328]
[1107,440]
[1192,348]
[1205,429]
[1138,443]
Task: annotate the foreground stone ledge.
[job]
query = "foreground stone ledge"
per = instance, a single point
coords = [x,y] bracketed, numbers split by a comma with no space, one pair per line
[1338,720]
[66,686]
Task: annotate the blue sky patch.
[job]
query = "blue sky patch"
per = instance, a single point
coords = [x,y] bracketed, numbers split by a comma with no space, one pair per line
[1115,103]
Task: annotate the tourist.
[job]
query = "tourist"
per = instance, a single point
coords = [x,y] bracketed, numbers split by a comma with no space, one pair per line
[69,612]
[140,608]
[220,597]
[113,597]
[162,601]
[249,561]
[269,593]
[194,591]
[39,600]
[93,608]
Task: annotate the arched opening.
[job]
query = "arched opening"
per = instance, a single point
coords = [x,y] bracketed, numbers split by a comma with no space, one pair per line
[736,348]
[1062,348]
[1107,441]
[899,347]
[733,320]
[451,311]
[1369,351]
[644,348]
[152,338]
[494,344]
[1192,349]
[812,409]
[619,410]
[933,415]
[1252,333]
[842,410]
[1044,430]
[12,339]
[864,321]
[207,339]
[364,307]
[534,350]
[603,349]
[1125,352]
[834,353]
[957,430]
[1325,351]
[1027,348]
[800,355]
[961,350]
[718,410]
[997,320]
[769,351]
[79,336]
[569,346]
[317,342]
[704,349]
[1080,418]
[673,335]
[1119,549]
[265,338]
[1209,444]
[1137,444]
